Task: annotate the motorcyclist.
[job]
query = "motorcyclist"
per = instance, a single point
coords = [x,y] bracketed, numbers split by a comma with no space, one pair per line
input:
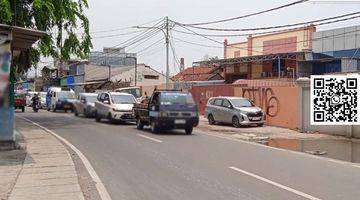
[35,101]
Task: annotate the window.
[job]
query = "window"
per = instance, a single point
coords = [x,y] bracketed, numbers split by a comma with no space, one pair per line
[123,99]
[211,101]
[172,98]
[241,103]
[218,102]
[151,77]
[226,104]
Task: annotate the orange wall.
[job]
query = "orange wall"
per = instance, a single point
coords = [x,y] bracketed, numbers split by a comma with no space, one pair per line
[280,103]
[298,40]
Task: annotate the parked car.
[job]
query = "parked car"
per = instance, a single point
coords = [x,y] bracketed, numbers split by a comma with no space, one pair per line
[237,111]
[85,104]
[62,100]
[115,106]
[167,110]
[20,100]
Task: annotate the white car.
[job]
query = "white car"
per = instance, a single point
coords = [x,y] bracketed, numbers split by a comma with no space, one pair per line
[115,106]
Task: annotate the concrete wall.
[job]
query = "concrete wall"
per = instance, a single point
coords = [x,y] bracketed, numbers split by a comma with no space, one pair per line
[336,39]
[279,103]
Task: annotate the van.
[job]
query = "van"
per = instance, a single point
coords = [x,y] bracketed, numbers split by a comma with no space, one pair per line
[62,99]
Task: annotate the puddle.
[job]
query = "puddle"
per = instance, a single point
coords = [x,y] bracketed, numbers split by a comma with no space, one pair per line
[345,150]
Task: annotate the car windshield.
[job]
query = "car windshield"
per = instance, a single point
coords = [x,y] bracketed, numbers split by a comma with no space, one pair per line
[91,99]
[123,99]
[66,95]
[171,98]
[241,103]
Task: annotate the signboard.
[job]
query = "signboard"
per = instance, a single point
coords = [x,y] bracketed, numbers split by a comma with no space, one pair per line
[5,62]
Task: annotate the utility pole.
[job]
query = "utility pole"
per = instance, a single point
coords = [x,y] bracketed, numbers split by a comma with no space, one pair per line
[167,51]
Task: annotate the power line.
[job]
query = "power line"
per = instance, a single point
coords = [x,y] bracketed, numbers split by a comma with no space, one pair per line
[115,35]
[273,27]
[197,44]
[151,45]
[124,28]
[133,40]
[249,15]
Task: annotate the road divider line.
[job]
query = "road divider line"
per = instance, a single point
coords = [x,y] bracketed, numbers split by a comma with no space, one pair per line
[307,196]
[149,138]
[104,195]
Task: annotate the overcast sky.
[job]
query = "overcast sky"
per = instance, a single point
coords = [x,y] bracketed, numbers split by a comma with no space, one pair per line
[115,14]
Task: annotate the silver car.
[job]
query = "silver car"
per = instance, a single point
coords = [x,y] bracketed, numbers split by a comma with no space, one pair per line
[85,104]
[237,111]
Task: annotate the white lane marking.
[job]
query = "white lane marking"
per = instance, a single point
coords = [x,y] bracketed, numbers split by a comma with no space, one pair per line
[104,195]
[275,184]
[150,138]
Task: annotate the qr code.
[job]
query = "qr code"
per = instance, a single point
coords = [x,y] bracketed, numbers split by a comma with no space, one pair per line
[335,100]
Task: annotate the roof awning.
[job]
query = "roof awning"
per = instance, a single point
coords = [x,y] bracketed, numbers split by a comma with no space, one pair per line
[22,38]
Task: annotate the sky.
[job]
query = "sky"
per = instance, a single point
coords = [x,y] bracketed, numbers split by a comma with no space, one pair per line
[105,15]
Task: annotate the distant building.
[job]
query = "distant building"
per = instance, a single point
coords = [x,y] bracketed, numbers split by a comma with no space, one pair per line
[146,76]
[112,56]
[84,75]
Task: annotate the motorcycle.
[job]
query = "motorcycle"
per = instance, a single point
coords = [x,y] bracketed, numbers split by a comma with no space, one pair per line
[36,106]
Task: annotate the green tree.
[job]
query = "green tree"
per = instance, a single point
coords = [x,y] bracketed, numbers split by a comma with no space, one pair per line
[61,19]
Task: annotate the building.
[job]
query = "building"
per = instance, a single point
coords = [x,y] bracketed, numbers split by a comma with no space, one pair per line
[146,76]
[199,73]
[265,56]
[84,76]
[112,56]
[333,51]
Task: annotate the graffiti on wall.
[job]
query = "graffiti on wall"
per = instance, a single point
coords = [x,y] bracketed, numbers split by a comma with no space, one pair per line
[5,61]
[265,98]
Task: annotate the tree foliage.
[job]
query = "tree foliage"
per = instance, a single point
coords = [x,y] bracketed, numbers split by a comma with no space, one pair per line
[61,19]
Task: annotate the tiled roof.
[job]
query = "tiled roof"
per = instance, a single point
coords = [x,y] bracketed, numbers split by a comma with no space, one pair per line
[200,73]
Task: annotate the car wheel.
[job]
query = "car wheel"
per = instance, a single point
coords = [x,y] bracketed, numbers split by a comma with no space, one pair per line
[236,122]
[110,118]
[97,117]
[189,130]
[23,109]
[154,127]
[211,119]
[139,124]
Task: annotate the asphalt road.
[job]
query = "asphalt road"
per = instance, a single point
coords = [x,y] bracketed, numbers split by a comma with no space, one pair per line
[140,165]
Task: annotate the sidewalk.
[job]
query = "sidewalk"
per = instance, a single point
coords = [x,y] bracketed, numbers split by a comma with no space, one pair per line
[47,172]
[257,133]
